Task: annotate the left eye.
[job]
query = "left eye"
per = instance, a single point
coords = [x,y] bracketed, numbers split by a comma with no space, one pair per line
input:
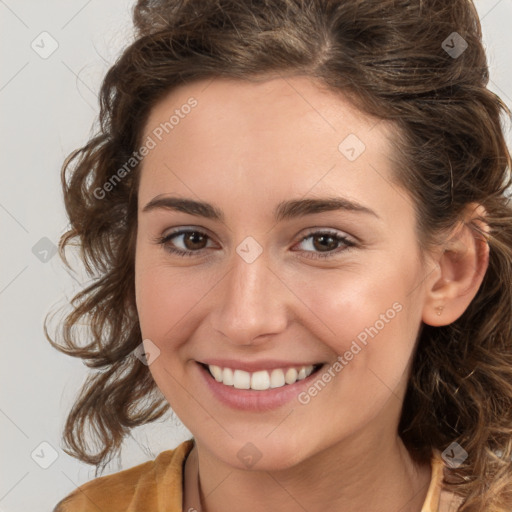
[320,244]
[328,242]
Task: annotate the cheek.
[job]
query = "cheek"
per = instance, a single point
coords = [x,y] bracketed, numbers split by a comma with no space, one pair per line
[167,305]
[164,299]
[371,325]
[368,316]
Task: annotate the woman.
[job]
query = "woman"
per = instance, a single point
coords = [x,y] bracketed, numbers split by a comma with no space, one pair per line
[296,214]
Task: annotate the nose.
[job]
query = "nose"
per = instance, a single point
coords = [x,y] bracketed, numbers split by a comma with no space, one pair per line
[251,302]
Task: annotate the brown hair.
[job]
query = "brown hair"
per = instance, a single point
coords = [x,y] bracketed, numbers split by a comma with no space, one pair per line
[387,56]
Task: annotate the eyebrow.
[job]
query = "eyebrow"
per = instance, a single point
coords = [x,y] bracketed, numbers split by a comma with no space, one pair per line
[283,211]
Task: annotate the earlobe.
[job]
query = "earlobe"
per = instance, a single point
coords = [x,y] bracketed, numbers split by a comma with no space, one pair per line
[462,262]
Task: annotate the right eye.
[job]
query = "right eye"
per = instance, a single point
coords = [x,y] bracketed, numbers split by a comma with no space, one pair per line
[193,238]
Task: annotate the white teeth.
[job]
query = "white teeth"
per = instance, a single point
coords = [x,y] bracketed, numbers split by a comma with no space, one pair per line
[241,379]
[216,372]
[227,376]
[260,380]
[277,378]
[291,376]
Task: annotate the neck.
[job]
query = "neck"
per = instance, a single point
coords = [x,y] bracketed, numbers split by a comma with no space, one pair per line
[378,478]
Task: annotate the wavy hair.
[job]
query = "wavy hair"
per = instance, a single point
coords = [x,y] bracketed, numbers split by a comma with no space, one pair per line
[391,59]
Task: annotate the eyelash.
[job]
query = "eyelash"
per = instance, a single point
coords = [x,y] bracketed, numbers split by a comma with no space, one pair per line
[164,241]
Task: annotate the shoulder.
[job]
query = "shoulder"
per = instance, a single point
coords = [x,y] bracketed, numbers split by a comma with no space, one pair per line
[141,487]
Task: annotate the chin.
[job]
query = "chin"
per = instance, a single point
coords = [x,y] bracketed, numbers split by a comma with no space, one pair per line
[262,454]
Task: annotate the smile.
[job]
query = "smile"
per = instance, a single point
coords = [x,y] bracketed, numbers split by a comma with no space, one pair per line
[256,389]
[260,380]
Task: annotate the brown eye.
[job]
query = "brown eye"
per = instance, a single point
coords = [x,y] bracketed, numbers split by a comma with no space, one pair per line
[192,241]
[324,244]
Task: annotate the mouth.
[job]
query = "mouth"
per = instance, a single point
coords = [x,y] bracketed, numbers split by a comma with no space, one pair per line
[261,380]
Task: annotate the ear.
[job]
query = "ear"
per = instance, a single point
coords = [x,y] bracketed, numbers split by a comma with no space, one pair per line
[461,264]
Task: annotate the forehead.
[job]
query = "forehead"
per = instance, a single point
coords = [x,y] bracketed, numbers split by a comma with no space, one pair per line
[272,138]
[296,103]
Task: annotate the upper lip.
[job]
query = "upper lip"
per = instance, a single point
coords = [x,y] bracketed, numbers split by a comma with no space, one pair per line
[254,366]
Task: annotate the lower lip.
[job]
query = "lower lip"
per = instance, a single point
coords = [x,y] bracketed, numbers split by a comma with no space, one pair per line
[253,400]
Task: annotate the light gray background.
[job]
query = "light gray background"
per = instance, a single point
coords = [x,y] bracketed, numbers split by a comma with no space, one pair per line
[49,106]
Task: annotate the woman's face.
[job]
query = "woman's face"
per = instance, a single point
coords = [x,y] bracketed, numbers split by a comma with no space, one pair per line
[273,277]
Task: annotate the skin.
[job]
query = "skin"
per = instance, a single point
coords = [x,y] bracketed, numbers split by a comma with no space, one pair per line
[245,147]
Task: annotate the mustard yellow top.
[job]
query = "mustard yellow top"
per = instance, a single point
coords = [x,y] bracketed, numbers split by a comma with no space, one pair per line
[157,485]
